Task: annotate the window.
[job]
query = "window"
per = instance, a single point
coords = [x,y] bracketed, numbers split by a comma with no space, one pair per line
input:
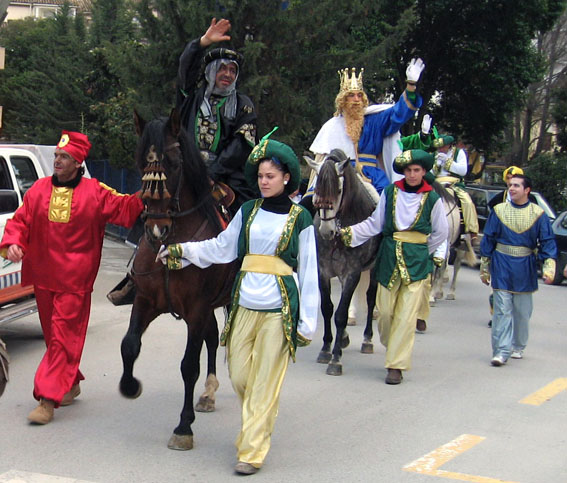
[25,172]
[5,179]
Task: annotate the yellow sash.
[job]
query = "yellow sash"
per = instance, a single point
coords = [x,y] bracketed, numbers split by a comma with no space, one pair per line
[410,236]
[266,264]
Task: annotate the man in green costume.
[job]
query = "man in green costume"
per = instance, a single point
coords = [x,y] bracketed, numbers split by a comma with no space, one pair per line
[411,218]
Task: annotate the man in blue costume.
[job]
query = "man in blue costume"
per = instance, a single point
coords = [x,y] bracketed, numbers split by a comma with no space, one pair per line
[512,234]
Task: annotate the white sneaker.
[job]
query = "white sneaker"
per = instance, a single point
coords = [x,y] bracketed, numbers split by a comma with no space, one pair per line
[498,361]
[517,354]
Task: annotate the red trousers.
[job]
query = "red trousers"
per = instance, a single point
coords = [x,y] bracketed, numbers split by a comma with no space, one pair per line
[64,319]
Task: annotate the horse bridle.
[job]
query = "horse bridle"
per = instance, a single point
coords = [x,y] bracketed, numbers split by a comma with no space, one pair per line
[171,215]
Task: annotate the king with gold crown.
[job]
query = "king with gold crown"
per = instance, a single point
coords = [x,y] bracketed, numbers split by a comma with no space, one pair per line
[367,133]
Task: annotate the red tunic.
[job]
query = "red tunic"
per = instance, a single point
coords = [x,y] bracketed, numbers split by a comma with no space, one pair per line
[61,231]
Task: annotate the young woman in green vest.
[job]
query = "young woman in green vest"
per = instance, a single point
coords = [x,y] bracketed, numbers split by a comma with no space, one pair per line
[271,314]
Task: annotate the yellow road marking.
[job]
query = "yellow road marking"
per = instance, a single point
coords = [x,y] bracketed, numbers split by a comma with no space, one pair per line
[431,462]
[546,393]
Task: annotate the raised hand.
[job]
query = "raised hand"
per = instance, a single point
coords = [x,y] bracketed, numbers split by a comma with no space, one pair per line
[216,32]
[414,70]
[426,124]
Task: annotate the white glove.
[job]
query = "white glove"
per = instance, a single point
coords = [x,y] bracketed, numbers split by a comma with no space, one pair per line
[426,124]
[162,255]
[173,256]
[414,70]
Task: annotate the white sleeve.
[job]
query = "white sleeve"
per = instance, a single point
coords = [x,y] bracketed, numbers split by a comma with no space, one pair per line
[221,249]
[441,251]
[370,227]
[439,225]
[308,277]
[460,165]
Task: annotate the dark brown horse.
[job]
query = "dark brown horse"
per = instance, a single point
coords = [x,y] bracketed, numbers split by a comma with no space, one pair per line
[178,208]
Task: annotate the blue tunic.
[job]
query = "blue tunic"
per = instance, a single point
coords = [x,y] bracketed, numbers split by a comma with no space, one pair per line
[378,126]
[517,226]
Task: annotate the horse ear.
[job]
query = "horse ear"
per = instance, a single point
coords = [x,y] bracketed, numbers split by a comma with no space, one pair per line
[314,165]
[175,121]
[139,123]
[340,166]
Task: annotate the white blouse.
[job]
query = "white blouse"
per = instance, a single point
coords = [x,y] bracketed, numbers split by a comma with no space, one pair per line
[407,206]
[260,291]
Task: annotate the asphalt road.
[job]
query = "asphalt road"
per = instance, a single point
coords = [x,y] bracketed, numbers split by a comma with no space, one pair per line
[453,417]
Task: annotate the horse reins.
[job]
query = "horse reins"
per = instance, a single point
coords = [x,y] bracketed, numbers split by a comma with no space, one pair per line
[172,215]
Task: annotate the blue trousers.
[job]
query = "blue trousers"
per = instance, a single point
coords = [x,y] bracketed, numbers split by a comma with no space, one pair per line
[512,313]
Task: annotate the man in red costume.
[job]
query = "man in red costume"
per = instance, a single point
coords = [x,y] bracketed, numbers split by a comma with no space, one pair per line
[58,233]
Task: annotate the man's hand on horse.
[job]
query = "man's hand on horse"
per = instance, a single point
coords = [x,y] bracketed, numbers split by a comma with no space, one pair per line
[216,32]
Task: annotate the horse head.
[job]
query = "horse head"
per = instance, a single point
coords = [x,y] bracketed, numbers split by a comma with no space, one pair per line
[160,160]
[329,188]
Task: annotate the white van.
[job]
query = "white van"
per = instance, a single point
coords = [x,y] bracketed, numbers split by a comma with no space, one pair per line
[20,166]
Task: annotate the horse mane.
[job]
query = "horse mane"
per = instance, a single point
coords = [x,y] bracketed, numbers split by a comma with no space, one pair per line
[357,203]
[327,186]
[443,192]
[195,173]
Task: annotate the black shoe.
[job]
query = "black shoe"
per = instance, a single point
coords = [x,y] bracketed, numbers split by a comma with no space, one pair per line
[421,325]
[394,376]
[124,293]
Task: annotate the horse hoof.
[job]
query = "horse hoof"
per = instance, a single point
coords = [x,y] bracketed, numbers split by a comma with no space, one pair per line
[367,348]
[450,297]
[335,369]
[324,357]
[205,405]
[351,321]
[180,442]
[345,341]
[132,389]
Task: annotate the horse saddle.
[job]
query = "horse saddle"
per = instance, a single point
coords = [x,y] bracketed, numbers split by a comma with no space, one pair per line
[224,197]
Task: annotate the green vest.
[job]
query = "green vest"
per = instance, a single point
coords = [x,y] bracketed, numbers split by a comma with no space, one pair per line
[410,261]
[288,250]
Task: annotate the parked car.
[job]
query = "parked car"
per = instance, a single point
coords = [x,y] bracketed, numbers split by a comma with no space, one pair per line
[559,227]
[482,194]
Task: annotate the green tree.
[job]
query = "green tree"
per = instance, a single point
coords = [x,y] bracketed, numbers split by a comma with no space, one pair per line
[480,59]
[112,131]
[43,85]
[549,175]
[559,114]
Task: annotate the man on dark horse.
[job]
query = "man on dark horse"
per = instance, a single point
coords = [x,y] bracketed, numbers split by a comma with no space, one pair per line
[223,120]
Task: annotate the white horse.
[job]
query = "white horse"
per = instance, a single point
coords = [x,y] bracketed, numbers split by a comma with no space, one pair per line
[459,247]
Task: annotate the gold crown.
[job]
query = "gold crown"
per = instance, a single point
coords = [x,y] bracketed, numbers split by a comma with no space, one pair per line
[351,82]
